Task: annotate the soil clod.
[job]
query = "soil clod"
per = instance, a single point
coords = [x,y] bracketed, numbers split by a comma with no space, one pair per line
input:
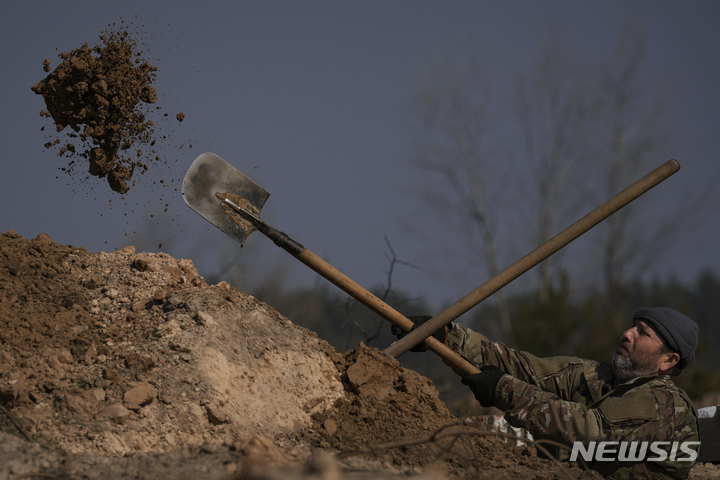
[101,94]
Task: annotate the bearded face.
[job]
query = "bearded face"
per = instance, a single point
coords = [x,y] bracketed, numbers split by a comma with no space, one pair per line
[632,366]
[639,353]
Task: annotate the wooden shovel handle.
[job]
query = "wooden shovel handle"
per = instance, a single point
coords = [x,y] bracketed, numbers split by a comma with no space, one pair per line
[339,279]
[381,308]
[533,258]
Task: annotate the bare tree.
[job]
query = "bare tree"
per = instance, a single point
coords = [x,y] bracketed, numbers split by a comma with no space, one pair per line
[635,135]
[556,107]
[372,327]
[453,112]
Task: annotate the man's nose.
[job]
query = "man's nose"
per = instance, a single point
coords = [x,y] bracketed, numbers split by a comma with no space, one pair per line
[629,334]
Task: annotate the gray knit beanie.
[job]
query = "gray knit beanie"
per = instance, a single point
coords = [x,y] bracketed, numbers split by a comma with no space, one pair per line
[678,331]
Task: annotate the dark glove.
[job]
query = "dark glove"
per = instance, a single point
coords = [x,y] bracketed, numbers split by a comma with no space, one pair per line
[483,384]
[419,320]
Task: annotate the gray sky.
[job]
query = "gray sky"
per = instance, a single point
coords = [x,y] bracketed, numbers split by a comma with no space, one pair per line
[307,99]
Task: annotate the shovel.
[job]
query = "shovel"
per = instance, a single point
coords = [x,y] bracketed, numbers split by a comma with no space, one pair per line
[232,202]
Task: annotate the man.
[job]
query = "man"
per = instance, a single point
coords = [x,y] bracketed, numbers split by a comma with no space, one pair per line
[569,399]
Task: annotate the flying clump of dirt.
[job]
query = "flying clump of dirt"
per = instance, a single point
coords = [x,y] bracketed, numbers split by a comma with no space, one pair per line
[102,93]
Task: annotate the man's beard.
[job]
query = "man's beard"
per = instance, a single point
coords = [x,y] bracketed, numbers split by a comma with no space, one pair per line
[627,368]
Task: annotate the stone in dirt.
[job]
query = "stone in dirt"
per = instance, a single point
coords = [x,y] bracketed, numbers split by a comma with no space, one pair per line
[371,373]
[139,395]
[99,93]
[118,413]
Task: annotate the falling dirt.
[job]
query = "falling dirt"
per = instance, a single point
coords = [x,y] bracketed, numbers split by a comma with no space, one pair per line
[102,94]
[110,127]
[128,365]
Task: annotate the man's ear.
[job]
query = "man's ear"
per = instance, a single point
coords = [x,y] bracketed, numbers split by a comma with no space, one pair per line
[669,360]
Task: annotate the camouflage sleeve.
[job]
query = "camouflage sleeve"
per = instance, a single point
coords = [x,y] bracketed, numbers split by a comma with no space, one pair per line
[478,350]
[546,415]
[531,395]
[559,375]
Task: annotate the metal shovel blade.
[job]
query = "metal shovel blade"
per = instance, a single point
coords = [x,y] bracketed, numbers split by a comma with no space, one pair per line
[209,175]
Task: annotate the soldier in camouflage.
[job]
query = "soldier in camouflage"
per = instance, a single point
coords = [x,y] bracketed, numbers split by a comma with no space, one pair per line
[569,399]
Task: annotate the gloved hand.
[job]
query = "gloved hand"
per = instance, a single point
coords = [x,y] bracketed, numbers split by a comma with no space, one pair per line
[419,320]
[483,384]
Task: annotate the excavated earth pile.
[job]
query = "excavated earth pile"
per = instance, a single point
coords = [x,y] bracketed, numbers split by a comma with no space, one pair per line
[128,365]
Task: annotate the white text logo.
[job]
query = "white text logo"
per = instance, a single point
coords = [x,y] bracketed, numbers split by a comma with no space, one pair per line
[635,451]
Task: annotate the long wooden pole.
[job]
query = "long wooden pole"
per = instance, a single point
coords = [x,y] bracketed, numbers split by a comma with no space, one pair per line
[528,261]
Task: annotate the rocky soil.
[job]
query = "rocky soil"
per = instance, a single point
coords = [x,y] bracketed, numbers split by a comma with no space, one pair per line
[128,365]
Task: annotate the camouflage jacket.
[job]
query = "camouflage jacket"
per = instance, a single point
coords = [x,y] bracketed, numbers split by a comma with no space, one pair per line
[569,399]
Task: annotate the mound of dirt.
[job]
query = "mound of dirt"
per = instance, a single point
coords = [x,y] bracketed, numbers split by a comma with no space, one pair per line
[128,365]
[100,92]
[122,352]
